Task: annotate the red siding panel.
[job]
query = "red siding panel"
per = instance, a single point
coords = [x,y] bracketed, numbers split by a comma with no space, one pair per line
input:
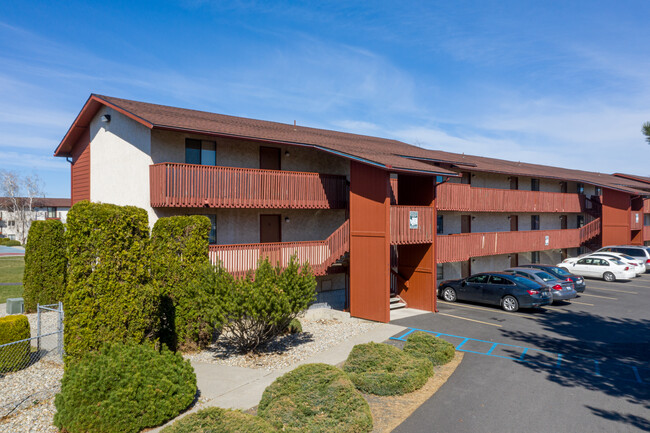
[80,169]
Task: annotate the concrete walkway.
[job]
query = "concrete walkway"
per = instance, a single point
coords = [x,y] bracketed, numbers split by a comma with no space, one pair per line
[242,388]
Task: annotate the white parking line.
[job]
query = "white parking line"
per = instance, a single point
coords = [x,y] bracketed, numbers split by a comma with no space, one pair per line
[598,296]
[581,303]
[492,310]
[471,320]
[613,290]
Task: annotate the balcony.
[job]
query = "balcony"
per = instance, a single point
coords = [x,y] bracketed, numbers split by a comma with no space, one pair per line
[411,225]
[240,258]
[464,198]
[646,206]
[188,185]
[646,233]
[636,220]
[461,247]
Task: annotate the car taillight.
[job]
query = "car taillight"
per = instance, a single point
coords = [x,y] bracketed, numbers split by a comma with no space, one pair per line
[533,292]
[569,280]
[627,268]
[648,261]
[557,287]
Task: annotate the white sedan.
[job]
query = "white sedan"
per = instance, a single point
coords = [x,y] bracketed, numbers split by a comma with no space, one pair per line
[634,264]
[605,268]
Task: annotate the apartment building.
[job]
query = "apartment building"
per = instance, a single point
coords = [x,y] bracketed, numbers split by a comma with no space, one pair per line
[640,208]
[372,216]
[14,225]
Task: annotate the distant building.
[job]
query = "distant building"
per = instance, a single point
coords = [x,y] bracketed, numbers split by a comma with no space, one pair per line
[13,226]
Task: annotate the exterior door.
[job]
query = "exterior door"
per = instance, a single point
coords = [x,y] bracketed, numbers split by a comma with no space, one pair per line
[563,222]
[465,223]
[514,223]
[514,183]
[269,158]
[563,187]
[465,269]
[472,290]
[514,260]
[270,229]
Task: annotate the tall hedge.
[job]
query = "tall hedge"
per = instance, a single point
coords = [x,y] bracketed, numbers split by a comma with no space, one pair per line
[179,256]
[45,264]
[109,296]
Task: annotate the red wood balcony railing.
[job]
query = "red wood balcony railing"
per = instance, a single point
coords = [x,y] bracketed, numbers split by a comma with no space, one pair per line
[636,220]
[465,198]
[646,206]
[646,233]
[460,247]
[240,258]
[188,185]
[405,231]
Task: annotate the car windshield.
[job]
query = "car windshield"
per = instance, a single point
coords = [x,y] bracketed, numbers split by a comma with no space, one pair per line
[560,271]
[616,262]
[626,257]
[545,276]
[525,282]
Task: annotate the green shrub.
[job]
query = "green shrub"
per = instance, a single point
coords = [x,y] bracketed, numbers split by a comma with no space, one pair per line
[315,398]
[382,369]
[45,264]
[259,308]
[14,328]
[217,420]
[109,296]
[10,243]
[295,327]
[424,345]
[123,389]
[179,255]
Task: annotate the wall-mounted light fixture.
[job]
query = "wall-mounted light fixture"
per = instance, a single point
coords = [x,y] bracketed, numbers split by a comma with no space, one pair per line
[106,118]
[286,219]
[286,154]
[473,217]
[509,217]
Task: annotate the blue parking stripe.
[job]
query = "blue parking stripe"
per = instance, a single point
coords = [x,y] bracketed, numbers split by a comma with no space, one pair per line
[528,357]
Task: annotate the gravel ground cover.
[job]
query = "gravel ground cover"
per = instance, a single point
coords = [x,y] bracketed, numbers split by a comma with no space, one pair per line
[318,335]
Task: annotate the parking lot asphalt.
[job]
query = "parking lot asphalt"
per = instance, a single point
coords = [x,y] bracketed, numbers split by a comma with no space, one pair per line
[579,366]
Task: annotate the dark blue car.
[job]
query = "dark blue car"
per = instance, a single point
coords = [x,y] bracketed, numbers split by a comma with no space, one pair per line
[509,291]
[563,274]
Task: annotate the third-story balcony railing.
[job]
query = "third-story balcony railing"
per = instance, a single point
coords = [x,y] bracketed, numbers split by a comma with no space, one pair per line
[465,198]
[189,185]
[411,225]
[461,247]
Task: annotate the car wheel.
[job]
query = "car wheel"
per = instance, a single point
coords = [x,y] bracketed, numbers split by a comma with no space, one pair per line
[608,276]
[510,303]
[449,294]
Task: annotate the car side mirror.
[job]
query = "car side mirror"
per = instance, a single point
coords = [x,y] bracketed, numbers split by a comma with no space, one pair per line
[463,283]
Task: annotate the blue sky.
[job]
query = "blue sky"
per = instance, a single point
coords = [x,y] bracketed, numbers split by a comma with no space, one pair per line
[555,82]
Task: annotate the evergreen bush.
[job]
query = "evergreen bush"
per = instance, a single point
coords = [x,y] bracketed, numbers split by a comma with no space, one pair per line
[258,308]
[123,389]
[179,256]
[424,345]
[109,296]
[9,242]
[315,398]
[217,420]
[45,264]
[14,328]
[382,369]
[295,327]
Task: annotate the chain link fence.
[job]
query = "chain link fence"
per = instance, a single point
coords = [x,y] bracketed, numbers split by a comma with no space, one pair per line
[31,369]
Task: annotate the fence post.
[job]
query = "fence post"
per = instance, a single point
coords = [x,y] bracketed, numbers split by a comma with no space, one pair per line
[60,330]
[38,328]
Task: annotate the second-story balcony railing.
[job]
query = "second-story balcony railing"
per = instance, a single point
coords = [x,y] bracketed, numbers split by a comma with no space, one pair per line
[189,185]
[465,198]
[461,247]
[411,225]
[636,220]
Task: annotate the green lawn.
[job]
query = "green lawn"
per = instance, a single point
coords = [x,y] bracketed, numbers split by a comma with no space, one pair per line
[11,271]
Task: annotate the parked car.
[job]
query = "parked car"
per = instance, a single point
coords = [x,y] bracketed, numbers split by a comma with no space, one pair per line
[638,252]
[561,289]
[637,264]
[509,291]
[578,281]
[607,269]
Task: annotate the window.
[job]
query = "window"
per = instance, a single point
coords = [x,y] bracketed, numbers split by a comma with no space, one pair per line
[440,272]
[51,212]
[581,188]
[646,220]
[534,257]
[439,225]
[212,237]
[534,184]
[478,279]
[599,191]
[495,279]
[534,222]
[201,152]
[580,220]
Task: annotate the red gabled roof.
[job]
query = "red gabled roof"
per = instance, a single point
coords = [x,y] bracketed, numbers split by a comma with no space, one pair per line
[42,201]
[378,151]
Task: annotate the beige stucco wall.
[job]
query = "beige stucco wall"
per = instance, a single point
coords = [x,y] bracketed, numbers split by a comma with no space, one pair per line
[168,146]
[119,161]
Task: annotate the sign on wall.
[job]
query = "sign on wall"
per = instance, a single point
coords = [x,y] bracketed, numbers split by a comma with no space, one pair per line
[413,219]
[546,240]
